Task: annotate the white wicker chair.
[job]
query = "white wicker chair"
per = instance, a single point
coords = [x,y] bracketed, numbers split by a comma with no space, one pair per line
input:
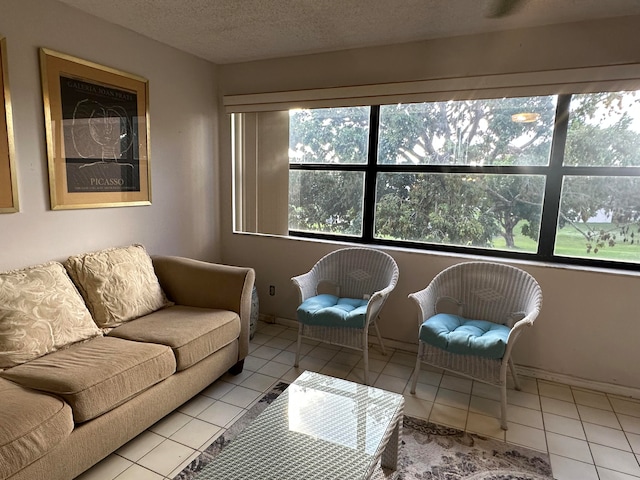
[481,291]
[357,273]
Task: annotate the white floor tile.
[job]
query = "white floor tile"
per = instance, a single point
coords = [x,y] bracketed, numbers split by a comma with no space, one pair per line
[526,436]
[349,358]
[278,342]
[484,406]
[591,399]
[569,447]
[220,414]
[616,460]
[170,424]
[416,407]
[452,398]
[626,407]
[220,388]
[259,382]
[598,416]
[449,416]
[196,405]
[265,352]
[311,363]
[109,468]
[393,384]
[634,441]
[241,396]
[522,399]
[403,358]
[254,364]
[137,448]
[458,384]
[429,377]
[375,365]
[609,437]
[423,391]
[323,352]
[274,368]
[563,426]
[559,407]
[568,469]
[525,416]
[166,457]
[606,474]
[398,370]
[136,472]
[487,391]
[484,425]
[554,390]
[196,434]
[629,424]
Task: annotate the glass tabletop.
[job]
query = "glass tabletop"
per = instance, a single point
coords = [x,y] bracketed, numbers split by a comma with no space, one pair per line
[320,427]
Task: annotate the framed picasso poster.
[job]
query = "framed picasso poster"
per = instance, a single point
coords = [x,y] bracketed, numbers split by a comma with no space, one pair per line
[97,130]
[8,181]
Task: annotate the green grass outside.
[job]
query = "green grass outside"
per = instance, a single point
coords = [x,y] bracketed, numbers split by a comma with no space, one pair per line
[570,243]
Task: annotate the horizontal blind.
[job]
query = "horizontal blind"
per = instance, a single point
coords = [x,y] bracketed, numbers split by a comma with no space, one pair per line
[576,80]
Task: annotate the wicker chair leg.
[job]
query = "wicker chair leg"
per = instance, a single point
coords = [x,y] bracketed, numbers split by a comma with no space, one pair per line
[365,354]
[416,371]
[503,406]
[375,326]
[516,382]
[297,362]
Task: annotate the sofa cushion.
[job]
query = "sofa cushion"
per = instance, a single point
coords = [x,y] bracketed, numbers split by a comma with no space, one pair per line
[98,375]
[118,284]
[192,333]
[465,336]
[40,312]
[32,424]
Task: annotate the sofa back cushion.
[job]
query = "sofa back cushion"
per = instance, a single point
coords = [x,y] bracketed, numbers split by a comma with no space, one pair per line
[118,284]
[40,312]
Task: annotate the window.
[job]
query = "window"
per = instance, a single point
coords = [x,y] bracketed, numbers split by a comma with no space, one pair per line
[553,177]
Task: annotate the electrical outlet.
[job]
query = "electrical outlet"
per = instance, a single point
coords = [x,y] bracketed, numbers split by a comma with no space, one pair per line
[272,290]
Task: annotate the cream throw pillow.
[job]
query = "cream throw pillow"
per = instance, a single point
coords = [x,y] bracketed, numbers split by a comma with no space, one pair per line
[118,284]
[40,312]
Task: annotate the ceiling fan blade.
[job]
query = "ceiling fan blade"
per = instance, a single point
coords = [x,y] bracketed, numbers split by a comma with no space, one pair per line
[501,8]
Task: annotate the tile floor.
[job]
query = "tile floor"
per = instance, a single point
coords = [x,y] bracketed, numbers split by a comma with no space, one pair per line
[588,435]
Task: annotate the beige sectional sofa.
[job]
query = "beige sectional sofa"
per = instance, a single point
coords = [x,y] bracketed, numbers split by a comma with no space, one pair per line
[95,351]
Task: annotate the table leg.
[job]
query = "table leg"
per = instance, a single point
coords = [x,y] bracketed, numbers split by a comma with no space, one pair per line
[390,454]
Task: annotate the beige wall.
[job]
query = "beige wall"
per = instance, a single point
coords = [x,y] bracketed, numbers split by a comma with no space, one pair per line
[590,322]
[183,218]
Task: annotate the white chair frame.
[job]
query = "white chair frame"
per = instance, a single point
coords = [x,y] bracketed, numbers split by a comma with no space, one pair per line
[481,291]
[353,273]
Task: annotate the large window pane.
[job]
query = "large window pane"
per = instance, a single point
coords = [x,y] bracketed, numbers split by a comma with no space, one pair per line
[326,201]
[604,130]
[329,135]
[489,211]
[600,218]
[507,131]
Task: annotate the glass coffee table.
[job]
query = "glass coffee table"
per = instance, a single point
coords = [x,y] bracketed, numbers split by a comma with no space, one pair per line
[320,427]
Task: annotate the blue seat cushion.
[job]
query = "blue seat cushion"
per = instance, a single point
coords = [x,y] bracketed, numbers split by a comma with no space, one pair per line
[330,311]
[469,337]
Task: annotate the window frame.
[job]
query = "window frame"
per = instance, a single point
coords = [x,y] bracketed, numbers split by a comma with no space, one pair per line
[554,174]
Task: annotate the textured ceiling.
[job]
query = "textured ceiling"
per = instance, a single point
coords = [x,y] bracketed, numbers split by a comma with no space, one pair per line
[228,31]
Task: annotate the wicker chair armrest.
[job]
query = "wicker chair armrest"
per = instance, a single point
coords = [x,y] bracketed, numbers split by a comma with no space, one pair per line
[307,284]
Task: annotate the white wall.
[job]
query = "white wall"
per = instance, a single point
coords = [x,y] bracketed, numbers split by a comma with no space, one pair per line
[590,323]
[183,218]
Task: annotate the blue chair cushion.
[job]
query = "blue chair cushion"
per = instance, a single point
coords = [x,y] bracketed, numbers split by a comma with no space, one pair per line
[469,337]
[330,311]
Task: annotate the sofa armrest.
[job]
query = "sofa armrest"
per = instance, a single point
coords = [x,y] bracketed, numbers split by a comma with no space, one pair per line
[196,283]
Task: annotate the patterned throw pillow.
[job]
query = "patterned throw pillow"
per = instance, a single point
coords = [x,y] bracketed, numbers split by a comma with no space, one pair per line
[40,312]
[118,284]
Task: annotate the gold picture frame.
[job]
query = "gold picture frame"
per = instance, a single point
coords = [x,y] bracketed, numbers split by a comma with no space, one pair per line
[97,130]
[8,180]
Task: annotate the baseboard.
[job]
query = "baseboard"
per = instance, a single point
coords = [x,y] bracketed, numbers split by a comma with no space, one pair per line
[522,370]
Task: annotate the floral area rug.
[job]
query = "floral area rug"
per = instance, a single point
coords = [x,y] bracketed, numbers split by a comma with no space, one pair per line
[427,452]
